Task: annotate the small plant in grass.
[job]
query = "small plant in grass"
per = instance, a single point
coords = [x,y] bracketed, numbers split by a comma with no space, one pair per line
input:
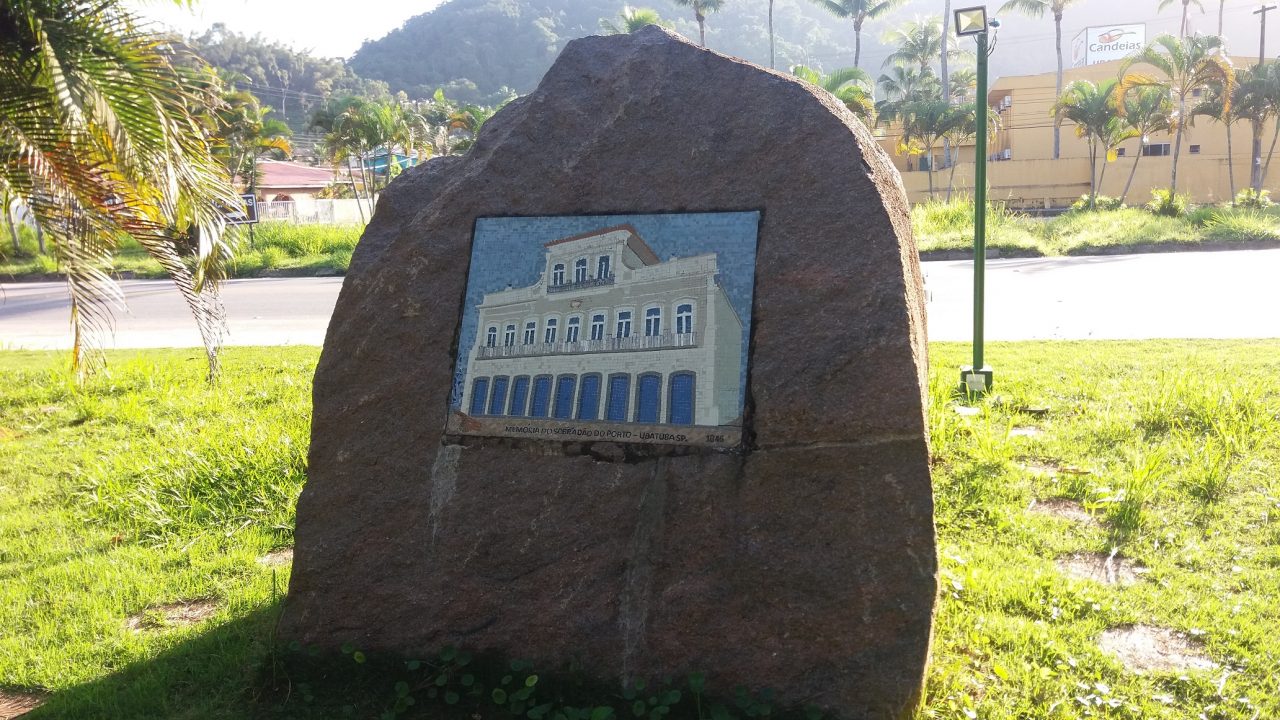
[272,257]
[1253,199]
[1136,485]
[1101,203]
[1167,203]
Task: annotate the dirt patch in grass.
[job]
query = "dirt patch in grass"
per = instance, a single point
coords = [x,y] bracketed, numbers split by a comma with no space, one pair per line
[1143,648]
[1026,431]
[182,612]
[1106,569]
[14,704]
[1064,509]
[276,558]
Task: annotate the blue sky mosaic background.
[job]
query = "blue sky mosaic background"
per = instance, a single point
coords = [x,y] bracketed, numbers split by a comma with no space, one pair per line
[510,251]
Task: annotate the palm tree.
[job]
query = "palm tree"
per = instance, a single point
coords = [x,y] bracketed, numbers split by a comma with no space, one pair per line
[632,19]
[701,8]
[1187,64]
[918,42]
[1147,110]
[243,133]
[1037,8]
[902,85]
[966,129]
[924,123]
[1185,28]
[1225,109]
[1091,107]
[100,138]
[851,86]
[1272,94]
[963,84]
[859,11]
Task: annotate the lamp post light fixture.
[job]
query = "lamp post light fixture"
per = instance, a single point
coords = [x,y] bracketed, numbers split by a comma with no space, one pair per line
[977,378]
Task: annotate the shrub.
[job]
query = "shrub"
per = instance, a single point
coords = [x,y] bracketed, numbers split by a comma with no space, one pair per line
[273,257]
[1253,200]
[1241,225]
[1167,203]
[1101,203]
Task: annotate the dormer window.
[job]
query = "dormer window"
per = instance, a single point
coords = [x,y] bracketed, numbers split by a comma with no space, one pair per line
[557,274]
[602,267]
[580,270]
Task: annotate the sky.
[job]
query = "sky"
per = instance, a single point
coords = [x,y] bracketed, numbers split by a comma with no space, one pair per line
[327,27]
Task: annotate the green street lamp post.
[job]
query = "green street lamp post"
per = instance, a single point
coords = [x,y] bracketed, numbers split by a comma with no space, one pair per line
[977,378]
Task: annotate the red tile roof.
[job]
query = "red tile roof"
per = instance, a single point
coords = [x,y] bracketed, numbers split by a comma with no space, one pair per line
[281,174]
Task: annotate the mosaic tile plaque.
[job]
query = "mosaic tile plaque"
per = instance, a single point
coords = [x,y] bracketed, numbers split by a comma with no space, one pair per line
[626,328]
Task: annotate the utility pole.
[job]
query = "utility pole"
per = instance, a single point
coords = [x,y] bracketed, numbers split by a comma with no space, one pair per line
[1262,39]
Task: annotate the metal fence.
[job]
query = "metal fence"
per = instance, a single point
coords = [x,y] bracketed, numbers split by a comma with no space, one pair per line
[311,212]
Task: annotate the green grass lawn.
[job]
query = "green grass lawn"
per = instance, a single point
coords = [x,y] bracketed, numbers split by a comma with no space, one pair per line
[276,248]
[948,226]
[279,248]
[148,488]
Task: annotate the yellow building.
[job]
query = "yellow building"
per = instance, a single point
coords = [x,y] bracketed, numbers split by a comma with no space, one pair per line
[1023,173]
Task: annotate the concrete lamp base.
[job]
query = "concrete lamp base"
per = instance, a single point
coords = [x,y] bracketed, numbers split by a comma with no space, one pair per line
[976,382]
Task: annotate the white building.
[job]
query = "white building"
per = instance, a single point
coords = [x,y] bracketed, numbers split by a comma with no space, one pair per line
[609,333]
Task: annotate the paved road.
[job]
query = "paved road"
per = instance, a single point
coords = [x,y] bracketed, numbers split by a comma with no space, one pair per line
[1175,295]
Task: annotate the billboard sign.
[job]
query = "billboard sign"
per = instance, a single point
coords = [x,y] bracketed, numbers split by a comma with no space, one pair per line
[246,214]
[1106,43]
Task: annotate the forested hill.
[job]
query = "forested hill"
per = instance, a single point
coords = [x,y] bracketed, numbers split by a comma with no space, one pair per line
[510,43]
[475,48]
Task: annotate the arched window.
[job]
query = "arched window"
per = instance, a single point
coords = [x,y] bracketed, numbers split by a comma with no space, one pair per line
[550,335]
[509,337]
[580,270]
[541,396]
[597,327]
[684,318]
[680,402]
[530,332]
[498,398]
[564,397]
[572,329]
[491,336]
[624,324]
[519,396]
[619,389]
[589,398]
[603,271]
[479,395]
[557,274]
[653,321]
[648,397]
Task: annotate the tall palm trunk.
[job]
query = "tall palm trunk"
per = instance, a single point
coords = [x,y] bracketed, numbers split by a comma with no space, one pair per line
[1102,176]
[13,227]
[1222,7]
[702,27]
[1132,173]
[946,82]
[857,42]
[1255,165]
[351,173]
[951,182]
[771,34]
[1186,17]
[1177,144]
[1093,174]
[1231,166]
[1057,130]
[1266,170]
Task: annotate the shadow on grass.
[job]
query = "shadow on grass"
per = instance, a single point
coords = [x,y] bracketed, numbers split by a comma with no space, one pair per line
[211,675]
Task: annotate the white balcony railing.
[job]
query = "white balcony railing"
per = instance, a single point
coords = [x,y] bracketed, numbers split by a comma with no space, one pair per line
[665,341]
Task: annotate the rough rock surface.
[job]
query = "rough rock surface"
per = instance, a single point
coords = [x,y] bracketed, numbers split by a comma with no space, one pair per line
[805,563]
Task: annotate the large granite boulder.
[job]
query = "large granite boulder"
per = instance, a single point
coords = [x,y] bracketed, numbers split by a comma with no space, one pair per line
[803,560]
